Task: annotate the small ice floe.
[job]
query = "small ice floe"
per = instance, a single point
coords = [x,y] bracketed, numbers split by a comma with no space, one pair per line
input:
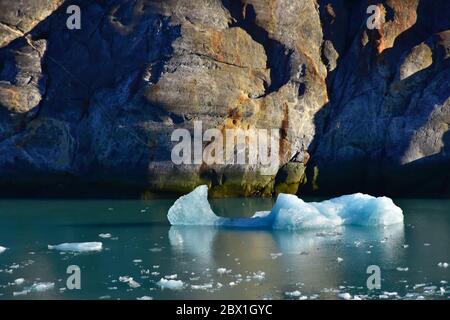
[275,255]
[137,261]
[77,247]
[205,286]
[2,249]
[441,290]
[419,285]
[345,296]
[130,281]
[154,273]
[155,249]
[259,275]
[390,294]
[20,293]
[427,244]
[105,235]
[41,287]
[223,271]
[19,281]
[443,265]
[144,298]
[357,243]
[295,293]
[232,284]
[339,259]
[402,269]
[170,284]
[405,245]
[171,276]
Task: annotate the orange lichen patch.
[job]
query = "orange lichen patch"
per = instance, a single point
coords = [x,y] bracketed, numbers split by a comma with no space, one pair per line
[11,97]
[216,45]
[405,16]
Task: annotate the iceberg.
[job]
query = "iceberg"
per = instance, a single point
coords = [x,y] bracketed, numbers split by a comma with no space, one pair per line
[290,212]
[2,249]
[77,247]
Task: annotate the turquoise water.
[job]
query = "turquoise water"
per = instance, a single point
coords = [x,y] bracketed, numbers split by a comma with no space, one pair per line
[217,264]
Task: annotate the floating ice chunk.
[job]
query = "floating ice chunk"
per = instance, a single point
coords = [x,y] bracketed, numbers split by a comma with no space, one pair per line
[205,286]
[2,249]
[443,265]
[339,259]
[77,247]
[19,281]
[131,282]
[419,285]
[345,296]
[291,212]
[222,271]
[105,235]
[171,276]
[275,255]
[295,293]
[193,209]
[41,287]
[20,293]
[170,284]
[145,298]
[402,269]
[259,275]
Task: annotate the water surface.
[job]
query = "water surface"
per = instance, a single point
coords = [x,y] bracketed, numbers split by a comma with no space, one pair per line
[218,263]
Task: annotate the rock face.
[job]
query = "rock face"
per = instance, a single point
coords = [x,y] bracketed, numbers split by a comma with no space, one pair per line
[94,109]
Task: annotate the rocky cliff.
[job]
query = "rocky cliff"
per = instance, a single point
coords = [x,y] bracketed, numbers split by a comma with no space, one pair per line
[356,108]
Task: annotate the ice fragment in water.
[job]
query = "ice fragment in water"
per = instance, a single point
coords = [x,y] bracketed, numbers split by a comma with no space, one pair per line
[77,247]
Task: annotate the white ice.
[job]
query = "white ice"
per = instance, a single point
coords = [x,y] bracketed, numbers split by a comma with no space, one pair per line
[77,247]
[170,284]
[291,212]
[2,249]
[131,282]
